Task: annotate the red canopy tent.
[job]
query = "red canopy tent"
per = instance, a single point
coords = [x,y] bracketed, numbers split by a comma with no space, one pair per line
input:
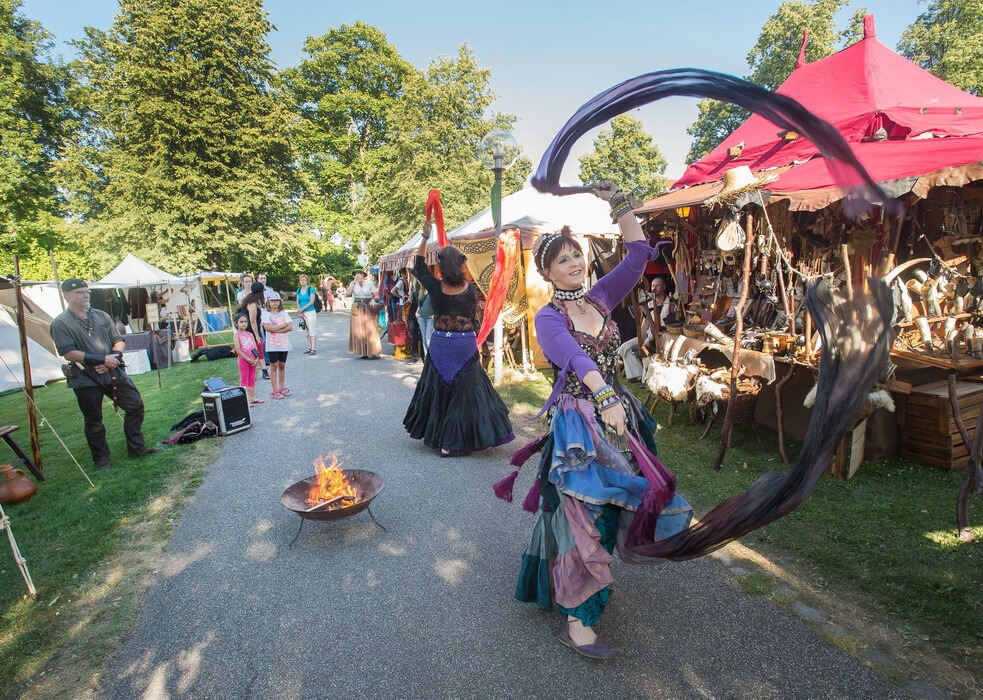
[901,121]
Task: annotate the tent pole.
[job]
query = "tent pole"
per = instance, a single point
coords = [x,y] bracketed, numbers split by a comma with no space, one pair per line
[54,274]
[32,421]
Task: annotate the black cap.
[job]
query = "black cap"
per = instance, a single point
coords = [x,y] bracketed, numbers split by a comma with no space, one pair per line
[73,283]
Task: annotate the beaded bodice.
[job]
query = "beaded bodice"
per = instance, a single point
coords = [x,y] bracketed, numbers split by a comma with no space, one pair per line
[602,348]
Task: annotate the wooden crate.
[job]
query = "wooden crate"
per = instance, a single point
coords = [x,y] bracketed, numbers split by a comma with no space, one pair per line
[850,454]
[928,428]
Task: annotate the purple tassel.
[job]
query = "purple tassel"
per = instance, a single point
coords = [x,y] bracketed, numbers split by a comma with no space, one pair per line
[520,456]
[531,504]
[503,489]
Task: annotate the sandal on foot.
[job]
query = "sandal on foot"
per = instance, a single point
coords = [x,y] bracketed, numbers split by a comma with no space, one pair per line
[597,650]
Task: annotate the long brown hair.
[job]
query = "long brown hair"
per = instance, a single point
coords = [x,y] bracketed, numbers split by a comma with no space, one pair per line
[451,262]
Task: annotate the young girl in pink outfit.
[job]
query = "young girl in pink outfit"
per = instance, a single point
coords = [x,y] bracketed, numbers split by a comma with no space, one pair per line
[246,350]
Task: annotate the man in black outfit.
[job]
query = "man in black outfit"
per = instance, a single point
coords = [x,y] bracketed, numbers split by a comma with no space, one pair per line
[88,339]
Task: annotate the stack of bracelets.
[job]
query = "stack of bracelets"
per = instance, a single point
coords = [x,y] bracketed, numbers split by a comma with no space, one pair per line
[605,397]
[620,205]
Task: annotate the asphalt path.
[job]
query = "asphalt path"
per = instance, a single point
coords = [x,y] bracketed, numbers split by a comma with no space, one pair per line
[424,608]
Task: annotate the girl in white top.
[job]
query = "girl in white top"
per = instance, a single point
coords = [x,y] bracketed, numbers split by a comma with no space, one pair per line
[278,325]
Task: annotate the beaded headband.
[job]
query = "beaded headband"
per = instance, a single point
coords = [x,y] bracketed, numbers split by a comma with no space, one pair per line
[545,241]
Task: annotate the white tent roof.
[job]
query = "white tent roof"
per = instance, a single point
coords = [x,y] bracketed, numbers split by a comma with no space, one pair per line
[45,366]
[531,209]
[134,272]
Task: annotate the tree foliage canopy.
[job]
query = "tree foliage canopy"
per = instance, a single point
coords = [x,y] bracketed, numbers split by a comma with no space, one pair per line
[183,155]
[772,59]
[947,39]
[32,117]
[625,153]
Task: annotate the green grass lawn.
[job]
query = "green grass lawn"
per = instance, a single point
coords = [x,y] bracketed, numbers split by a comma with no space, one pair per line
[887,536]
[83,544]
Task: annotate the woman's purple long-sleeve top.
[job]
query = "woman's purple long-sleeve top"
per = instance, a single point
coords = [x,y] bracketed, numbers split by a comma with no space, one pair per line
[551,326]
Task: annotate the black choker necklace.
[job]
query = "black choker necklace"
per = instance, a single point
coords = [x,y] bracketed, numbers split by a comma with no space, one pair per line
[574,295]
[568,294]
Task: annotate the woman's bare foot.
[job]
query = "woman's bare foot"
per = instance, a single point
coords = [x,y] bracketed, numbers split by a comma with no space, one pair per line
[580,635]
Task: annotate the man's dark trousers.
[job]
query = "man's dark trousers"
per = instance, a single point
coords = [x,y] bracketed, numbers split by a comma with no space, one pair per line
[128,399]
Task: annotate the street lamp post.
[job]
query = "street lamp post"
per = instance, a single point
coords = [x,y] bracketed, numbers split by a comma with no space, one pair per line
[499,151]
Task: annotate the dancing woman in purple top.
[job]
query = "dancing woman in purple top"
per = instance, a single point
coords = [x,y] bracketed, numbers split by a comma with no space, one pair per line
[598,473]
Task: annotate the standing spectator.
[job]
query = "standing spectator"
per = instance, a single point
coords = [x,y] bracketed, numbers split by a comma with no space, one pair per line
[326,288]
[363,333]
[252,307]
[340,291]
[424,316]
[245,282]
[267,291]
[400,295]
[277,324]
[306,301]
[89,341]
[248,354]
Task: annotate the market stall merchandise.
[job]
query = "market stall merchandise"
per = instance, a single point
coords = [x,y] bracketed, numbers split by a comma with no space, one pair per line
[761,217]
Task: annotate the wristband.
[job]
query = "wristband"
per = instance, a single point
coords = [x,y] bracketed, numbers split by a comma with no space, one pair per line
[622,209]
[603,390]
[93,359]
[608,403]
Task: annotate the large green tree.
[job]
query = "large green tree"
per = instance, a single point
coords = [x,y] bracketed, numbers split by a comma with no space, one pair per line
[183,153]
[343,92]
[32,118]
[435,129]
[771,59]
[625,153]
[947,39]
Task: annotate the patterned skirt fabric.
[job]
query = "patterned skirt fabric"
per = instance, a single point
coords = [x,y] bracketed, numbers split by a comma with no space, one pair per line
[590,491]
[455,407]
[363,333]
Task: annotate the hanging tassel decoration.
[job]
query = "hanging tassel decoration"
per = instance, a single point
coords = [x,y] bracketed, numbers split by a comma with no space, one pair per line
[503,488]
[531,503]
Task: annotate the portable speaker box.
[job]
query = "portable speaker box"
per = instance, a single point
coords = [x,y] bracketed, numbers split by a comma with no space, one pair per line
[228,409]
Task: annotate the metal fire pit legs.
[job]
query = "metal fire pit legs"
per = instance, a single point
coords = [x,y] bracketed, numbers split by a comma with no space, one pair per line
[303,520]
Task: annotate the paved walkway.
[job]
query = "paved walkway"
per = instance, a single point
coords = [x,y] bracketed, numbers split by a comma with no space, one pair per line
[424,609]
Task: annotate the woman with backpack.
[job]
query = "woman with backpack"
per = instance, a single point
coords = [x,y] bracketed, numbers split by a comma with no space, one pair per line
[307,303]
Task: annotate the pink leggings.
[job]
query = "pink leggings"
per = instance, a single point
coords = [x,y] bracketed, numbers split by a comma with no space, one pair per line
[247,373]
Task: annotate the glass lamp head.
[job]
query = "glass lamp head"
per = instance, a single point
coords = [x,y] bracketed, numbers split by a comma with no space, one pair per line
[498,146]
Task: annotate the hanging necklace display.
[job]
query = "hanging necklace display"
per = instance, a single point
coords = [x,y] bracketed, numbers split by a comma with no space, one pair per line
[574,295]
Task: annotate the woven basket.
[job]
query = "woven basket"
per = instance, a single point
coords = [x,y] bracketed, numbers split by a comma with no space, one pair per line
[674,328]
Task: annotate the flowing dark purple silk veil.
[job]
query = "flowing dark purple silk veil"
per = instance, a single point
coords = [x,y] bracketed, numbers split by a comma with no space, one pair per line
[782,111]
[856,332]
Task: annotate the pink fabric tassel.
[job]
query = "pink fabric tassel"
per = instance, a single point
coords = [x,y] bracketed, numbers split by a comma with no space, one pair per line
[503,489]
[520,456]
[531,503]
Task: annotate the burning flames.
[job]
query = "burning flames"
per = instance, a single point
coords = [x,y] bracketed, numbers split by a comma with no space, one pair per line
[331,484]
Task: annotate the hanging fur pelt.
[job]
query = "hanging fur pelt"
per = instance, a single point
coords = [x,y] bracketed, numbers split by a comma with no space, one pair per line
[856,337]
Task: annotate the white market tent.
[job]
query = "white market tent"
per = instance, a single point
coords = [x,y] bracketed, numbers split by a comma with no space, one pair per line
[45,366]
[186,290]
[528,210]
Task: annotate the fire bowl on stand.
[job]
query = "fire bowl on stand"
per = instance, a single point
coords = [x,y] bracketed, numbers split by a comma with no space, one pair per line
[367,486]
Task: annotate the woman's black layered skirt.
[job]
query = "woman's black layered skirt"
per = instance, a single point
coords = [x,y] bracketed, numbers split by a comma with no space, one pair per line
[455,407]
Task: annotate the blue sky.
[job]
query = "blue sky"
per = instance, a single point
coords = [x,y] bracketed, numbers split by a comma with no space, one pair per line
[547,58]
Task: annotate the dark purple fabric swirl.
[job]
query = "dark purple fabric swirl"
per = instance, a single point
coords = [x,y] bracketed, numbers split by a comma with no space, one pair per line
[783,111]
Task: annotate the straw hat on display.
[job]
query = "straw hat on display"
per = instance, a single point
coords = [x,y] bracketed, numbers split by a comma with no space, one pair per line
[738,180]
